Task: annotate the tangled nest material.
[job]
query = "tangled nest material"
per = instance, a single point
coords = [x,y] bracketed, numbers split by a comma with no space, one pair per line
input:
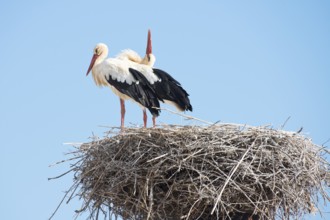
[223,171]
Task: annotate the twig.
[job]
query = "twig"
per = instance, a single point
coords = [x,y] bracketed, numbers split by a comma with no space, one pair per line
[185,116]
[282,126]
[229,178]
[63,161]
[156,158]
[56,177]
[59,205]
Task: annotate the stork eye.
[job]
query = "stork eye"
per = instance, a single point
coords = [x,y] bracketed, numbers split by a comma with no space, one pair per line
[148,58]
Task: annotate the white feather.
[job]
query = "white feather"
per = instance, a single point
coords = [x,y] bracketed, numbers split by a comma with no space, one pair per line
[136,62]
[130,55]
[119,70]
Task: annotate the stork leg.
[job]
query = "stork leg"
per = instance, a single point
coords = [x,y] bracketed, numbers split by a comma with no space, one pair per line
[122,112]
[145,117]
[154,121]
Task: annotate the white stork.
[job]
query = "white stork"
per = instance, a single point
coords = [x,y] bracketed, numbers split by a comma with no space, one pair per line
[166,87]
[127,79]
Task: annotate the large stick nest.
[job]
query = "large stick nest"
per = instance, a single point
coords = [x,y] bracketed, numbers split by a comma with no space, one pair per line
[192,172]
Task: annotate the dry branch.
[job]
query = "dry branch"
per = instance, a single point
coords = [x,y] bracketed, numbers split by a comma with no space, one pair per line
[221,171]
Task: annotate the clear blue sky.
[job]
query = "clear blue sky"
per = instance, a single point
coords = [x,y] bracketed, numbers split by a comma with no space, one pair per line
[253,62]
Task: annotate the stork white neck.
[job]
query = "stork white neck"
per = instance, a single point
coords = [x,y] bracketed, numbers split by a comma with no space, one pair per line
[100,54]
[149,60]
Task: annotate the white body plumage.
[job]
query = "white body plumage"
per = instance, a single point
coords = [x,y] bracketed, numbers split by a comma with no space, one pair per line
[118,69]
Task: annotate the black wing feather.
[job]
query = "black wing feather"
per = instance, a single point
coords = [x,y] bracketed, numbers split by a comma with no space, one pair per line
[141,91]
[170,89]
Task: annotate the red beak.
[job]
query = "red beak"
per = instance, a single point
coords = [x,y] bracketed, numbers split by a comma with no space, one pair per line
[149,46]
[95,56]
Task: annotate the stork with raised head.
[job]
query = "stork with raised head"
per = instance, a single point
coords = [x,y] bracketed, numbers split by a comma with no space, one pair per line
[127,79]
[166,87]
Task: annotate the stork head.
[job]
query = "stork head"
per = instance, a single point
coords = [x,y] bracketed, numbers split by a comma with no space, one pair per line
[100,53]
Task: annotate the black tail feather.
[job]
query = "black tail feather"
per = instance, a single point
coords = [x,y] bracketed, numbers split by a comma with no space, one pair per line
[151,102]
[170,89]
